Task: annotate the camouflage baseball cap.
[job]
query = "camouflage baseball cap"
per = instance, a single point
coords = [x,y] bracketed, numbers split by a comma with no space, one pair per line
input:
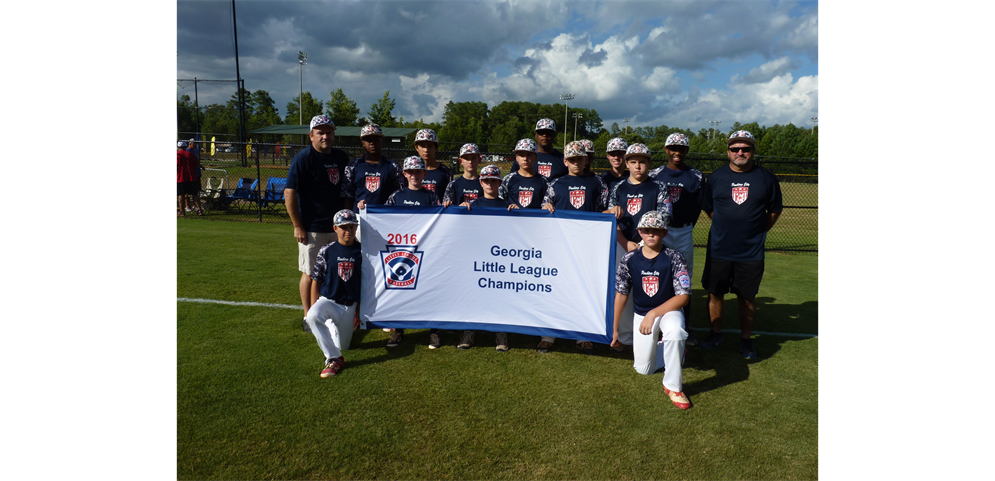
[322,119]
[526,145]
[638,149]
[470,148]
[574,149]
[545,124]
[588,146]
[490,172]
[677,139]
[344,216]
[617,144]
[741,136]
[371,129]
[426,135]
[414,163]
[653,219]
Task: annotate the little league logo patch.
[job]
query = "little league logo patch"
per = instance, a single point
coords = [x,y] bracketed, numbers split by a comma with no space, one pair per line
[545,170]
[333,175]
[525,197]
[634,205]
[345,270]
[401,265]
[684,279]
[429,187]
[577,198]
[651,285]
[468,196]
[739,194]
[372,183]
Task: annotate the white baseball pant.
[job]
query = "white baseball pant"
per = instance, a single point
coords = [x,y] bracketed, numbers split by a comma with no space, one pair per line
[331,323]
[649,353]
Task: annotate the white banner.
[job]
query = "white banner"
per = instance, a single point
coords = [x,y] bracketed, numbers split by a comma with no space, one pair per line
[525,271]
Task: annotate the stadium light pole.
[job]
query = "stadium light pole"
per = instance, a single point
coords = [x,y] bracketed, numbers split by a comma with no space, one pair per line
[627,125]
[814,120]
[715,124]
[576,117]
[301,59]
[566,106]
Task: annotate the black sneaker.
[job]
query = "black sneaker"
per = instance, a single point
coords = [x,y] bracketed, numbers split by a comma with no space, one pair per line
[466,340]
[501,342]
[712,341]
[587,347]
[434,342]
[544,347]
[305,327]
[395,338]
[747,350]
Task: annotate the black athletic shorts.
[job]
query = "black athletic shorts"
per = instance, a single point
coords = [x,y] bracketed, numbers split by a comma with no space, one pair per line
[740,278]
[187,188]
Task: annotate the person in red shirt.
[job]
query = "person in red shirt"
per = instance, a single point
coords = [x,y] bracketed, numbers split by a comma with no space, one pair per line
[187,166]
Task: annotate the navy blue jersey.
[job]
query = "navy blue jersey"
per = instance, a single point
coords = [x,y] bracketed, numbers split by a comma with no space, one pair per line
[586,193]
[337,269]
[550,166]
[740,203]
[463,189]
[436,180]
[320,185]
[636,200]
[684,187]
[485,202]
[526,192]
[611,179]
[656,280]
[408,197]
[372,182]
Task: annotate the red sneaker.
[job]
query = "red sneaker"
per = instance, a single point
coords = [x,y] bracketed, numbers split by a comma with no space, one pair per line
[678,398]
[333,367]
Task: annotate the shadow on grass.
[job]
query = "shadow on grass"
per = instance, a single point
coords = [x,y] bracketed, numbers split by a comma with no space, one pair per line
[730,367]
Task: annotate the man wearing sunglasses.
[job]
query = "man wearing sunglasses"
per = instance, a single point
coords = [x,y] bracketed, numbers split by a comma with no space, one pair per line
[744,201]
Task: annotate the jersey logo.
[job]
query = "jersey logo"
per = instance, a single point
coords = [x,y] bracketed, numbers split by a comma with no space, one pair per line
[428,187]
[545,170]
[634,205]
[684,279]
[651,285]
[333,175]
[372,183]
[401,265]
[345,270]
[468,196]
[675,193]
[577,198]
[739,194]
[524,198]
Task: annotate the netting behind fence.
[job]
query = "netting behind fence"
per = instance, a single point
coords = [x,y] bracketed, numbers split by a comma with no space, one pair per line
[241,183]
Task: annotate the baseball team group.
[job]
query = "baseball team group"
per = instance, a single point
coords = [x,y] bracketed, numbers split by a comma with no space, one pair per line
[655,208]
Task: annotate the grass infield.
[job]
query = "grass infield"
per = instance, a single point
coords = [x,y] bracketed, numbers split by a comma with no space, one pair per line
[250,404]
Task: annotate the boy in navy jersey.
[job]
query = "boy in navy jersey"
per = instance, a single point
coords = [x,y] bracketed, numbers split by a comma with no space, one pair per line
[579,192]
[336,290]
[659,283]
[414,192]
[629,201]
[524,188]
[372,177]
[465,187]
[684,186]
[616,159]
[413,195]
[549,161]
[438,176]
[490,183]
[744,201]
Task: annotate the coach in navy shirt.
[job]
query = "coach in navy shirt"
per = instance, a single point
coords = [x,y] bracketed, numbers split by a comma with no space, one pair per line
[744,201]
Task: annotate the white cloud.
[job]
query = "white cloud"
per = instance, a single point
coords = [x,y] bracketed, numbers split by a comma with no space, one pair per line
[662,79]
[768,71]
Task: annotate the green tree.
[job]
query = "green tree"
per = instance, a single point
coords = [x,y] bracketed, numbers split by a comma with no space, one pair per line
[465,122]
[186,115]
[342,109]
[615,130]
[379,113]
[312,107]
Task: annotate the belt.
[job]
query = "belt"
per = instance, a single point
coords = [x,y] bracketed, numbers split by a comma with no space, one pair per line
[345,303]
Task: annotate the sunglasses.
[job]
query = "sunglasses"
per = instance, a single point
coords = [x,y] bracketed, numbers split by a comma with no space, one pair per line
[740,149]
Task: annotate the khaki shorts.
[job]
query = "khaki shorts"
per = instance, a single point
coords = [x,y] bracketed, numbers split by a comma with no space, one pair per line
[308,253]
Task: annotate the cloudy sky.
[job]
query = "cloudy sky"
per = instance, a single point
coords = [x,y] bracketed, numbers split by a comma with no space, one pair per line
[680,63]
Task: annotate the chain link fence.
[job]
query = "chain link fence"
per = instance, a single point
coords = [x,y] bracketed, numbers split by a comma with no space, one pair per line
[244,183]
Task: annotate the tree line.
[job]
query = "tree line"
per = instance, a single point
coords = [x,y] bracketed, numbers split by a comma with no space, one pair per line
[462,122]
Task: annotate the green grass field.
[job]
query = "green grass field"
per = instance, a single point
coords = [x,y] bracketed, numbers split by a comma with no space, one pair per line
[250,404]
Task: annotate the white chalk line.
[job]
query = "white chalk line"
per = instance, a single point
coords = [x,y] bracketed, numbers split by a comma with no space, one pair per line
[288,306]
